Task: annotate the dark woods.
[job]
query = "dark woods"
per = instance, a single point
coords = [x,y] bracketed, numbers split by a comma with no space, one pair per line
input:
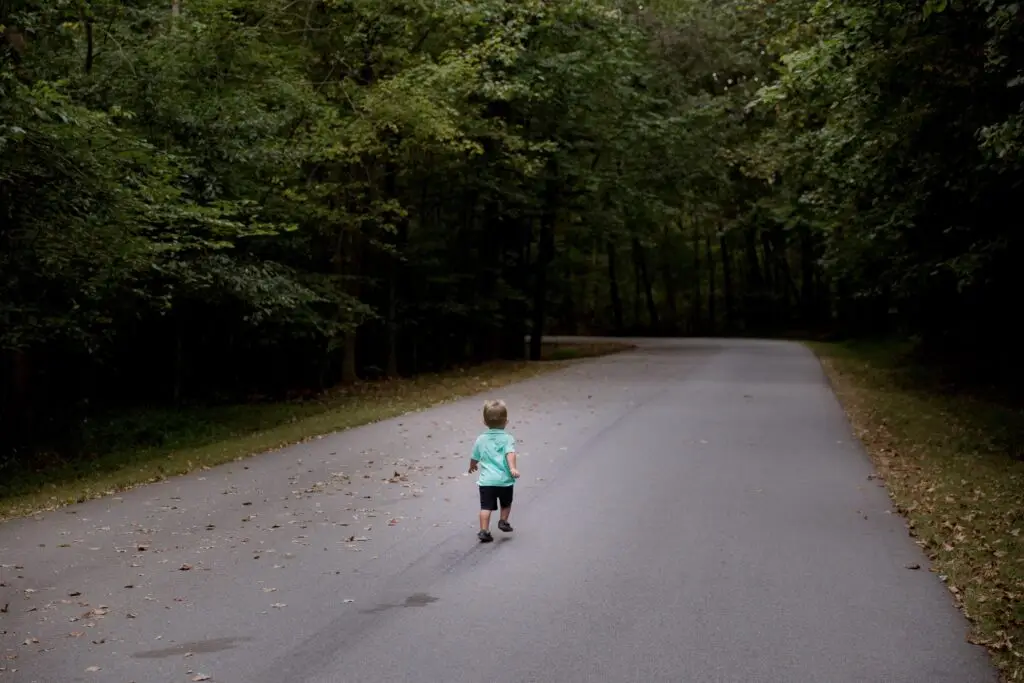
[228,200]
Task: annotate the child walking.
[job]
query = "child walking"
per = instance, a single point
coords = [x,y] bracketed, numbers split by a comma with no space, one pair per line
[494,454]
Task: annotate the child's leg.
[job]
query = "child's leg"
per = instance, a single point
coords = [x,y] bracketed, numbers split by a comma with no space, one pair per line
[505,498]
[488,504]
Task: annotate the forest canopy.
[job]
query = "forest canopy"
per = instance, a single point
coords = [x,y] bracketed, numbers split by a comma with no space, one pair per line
[214,199]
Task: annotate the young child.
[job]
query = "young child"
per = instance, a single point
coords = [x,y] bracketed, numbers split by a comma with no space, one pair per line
[494,454]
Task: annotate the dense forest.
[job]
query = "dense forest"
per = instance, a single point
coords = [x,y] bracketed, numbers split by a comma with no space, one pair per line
[216,200]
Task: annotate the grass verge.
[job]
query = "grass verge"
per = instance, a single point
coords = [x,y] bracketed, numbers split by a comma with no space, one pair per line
[156,444]
[952,463]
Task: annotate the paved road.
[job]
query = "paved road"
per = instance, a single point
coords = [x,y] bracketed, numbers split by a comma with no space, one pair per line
[693,511]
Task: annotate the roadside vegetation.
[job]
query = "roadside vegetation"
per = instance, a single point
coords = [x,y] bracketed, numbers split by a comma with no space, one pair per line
[951,456]
[129,449]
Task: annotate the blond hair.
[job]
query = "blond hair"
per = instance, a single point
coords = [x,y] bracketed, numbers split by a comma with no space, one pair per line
[495,414]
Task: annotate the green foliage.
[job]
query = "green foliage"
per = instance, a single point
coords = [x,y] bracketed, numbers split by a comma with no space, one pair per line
[209,199]
[894,136]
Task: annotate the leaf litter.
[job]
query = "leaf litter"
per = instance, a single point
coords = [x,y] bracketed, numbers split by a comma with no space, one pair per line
[943,458]
[400,476]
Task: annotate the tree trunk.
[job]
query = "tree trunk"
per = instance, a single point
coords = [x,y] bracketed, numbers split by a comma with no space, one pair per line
[821,286]
[515,313]
[668,275]
[808,295]
[348,359]
[753,290]
[613,289]
[395,272]
[592,295]
[753,265]
[770,267]
[637,323]
[545,252]
[569,306]
[712,314]
[346,264]
[178,380]
[790,291]
[696,323]
[641,264]
[392,318]
[492,232]
[727,284]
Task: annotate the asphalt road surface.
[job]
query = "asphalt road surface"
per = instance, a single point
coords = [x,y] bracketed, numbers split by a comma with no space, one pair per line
[692,511]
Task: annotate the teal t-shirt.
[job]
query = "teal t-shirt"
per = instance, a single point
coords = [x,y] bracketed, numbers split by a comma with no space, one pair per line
[490,450]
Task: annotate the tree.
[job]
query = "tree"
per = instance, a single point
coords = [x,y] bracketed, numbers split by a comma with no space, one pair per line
[212,199]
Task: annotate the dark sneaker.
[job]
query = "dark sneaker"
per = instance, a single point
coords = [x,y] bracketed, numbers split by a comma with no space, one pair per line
[504,526]
[485,536]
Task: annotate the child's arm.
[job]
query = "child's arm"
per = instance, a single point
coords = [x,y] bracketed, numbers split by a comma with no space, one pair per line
[474,460]
[510,457]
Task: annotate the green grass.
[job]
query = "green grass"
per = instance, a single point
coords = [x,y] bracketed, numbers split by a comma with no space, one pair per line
[951,461]
[151,445]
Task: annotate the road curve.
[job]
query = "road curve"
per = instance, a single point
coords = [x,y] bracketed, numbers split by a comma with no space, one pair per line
[691,511]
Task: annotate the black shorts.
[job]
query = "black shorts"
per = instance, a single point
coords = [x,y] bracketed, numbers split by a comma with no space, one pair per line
[490,496]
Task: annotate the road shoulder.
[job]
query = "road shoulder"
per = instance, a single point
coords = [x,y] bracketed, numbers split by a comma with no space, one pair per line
[946,460]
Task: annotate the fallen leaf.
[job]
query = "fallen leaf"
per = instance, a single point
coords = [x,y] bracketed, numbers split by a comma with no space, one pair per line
[185,567]
[201,677]
[913,566]
[92,669]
